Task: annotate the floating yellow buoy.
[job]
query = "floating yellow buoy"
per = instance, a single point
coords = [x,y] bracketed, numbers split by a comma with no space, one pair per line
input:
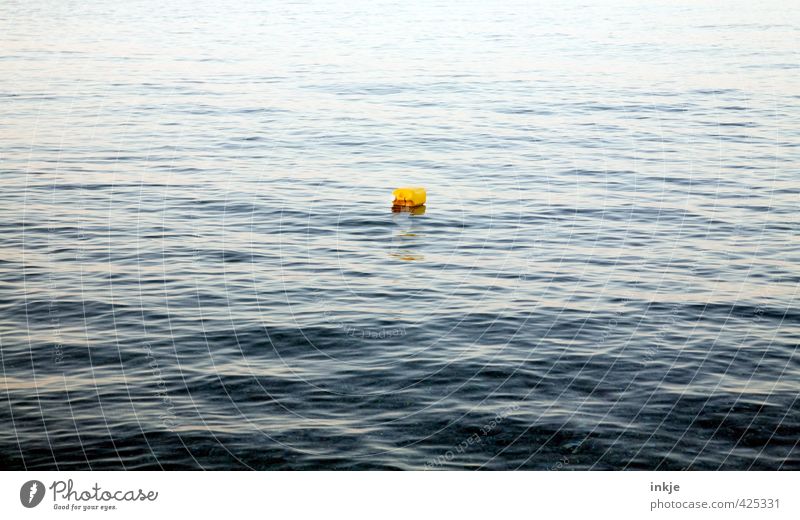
[416,210]
[409,197]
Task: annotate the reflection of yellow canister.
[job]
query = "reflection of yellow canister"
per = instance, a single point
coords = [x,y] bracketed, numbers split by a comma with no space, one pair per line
[409,197]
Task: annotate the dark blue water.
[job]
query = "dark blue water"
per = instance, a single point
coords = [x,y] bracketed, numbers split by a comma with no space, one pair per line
[199,267]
